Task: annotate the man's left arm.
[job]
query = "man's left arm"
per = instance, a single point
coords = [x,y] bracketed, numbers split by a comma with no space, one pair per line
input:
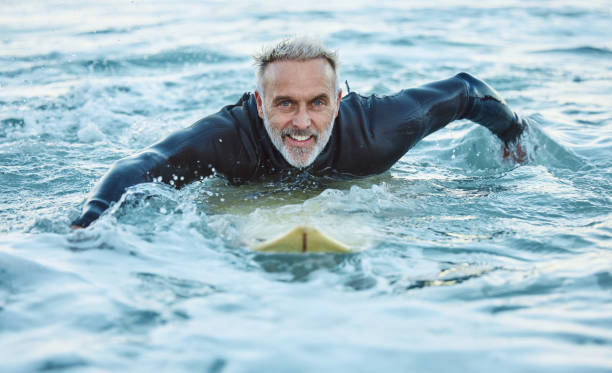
[486,107]
[414,113]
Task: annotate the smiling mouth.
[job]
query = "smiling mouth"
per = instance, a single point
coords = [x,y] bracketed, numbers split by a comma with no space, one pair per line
[299,138]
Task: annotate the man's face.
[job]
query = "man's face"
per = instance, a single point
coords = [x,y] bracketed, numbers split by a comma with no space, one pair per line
[298,107]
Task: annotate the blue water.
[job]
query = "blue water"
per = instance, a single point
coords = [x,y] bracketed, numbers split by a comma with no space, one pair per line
[473,264]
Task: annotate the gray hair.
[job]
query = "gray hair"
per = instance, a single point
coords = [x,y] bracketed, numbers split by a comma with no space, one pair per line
[293,49]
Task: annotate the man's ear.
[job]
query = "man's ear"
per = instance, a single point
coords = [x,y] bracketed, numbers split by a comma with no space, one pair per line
[338,99]
[259,100]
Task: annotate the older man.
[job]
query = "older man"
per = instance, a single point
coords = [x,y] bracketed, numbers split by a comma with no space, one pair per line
[298,119]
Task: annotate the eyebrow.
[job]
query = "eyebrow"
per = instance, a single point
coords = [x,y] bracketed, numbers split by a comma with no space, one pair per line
[322,96]
[282,98]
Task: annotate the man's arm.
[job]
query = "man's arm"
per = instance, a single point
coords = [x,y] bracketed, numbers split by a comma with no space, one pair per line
[486,107]
[151,164]
[218,143]
[374,132]
[462,97]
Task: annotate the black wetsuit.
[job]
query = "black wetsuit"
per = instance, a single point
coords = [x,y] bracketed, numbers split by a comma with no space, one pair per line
[369,135]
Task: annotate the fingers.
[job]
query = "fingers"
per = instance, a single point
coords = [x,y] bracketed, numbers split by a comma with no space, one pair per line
[516,152]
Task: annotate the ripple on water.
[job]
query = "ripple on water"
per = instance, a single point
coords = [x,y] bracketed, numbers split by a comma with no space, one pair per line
[471,263]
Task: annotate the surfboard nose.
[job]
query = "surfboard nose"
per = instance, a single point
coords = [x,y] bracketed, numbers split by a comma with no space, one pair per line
[303,239]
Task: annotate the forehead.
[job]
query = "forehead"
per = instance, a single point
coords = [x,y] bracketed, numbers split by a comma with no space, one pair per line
[287,77]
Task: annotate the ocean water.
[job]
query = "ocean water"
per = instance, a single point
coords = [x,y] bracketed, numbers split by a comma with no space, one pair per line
[472,263]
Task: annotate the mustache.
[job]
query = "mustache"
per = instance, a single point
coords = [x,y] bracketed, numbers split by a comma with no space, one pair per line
[299,132]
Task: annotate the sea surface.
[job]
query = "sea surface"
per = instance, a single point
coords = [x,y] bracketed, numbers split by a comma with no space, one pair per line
[468,262]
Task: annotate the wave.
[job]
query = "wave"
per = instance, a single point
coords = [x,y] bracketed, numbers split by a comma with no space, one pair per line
[66,63]
[181,56]
[582,50]
[479,151]
[547,151]
[124,30]
[9,125]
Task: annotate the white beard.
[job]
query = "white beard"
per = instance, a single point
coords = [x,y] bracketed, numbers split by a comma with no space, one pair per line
[295,156]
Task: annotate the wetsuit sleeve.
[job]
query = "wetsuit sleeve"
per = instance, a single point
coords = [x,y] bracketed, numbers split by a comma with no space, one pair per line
[433,106]
[215,144]
[486,107]
[375,132]
[155,163]
[123,174]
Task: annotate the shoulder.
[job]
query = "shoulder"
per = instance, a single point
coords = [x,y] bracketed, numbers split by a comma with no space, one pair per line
[235,122]
[231,128]
[241,114]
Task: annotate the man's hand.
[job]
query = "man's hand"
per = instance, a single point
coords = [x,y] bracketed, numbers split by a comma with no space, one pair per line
[76,227]
[515,151]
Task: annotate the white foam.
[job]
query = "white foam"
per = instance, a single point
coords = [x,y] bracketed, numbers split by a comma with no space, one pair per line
[90,133]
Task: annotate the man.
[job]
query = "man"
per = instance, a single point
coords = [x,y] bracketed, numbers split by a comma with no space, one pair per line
[297,119]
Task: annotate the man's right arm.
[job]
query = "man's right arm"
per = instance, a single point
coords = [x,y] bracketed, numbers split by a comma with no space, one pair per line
[184,156]
[218,143]
[155,163]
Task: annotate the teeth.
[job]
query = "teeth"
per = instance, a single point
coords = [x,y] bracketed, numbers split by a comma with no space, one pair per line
[299,138]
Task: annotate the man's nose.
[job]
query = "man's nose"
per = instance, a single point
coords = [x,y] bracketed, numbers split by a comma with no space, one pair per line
[302,119]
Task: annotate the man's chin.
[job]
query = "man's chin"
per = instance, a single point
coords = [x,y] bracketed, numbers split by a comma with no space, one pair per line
[299,159]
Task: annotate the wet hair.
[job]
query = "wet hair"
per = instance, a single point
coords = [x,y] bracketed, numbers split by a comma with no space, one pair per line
[293,49]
